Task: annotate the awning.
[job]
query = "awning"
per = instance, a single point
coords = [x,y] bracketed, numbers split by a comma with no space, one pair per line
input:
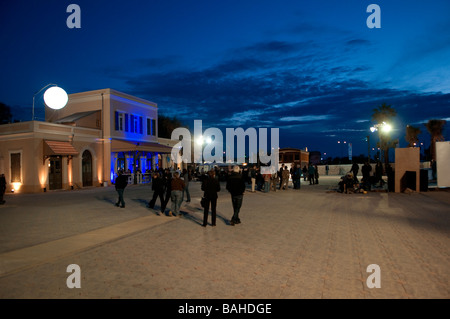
[125,146]
[59,148]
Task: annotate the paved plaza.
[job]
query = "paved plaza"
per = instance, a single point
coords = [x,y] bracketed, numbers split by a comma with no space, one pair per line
[292,244]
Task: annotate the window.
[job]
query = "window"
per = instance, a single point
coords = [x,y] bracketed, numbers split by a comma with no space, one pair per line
[140,125]
[119,119]
[136,125]
[15,168]
[151,127]
[132,123]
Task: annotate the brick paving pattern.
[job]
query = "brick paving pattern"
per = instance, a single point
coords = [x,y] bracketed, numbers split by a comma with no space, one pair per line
[292,244]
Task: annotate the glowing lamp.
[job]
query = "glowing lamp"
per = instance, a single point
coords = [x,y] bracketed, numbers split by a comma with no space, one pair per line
[55,98]
[386,128]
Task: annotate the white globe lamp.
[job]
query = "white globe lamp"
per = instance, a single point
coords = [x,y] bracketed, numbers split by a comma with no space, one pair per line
[55,98]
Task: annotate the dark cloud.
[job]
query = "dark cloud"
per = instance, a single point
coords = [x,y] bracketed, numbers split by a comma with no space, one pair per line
[281,84]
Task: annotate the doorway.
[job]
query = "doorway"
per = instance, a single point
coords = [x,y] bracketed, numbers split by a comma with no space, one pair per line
[86,168]
[55,173]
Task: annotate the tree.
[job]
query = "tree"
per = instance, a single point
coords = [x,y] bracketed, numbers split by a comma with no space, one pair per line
[384,114]
[412,134]
[166,125]
[435,128]
[5,114]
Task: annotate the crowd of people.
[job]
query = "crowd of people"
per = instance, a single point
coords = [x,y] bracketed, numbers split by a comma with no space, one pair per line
[174,186]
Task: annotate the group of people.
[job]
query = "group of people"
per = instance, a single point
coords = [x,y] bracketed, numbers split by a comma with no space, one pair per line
[263,180]
[173,186]
[350,181]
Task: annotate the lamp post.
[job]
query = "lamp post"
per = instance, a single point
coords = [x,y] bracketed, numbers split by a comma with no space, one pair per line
[381,128]
[54,97]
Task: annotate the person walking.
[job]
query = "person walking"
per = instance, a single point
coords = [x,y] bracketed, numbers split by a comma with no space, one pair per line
[176,194]
[236,187]
[2,188]
[305,173]
[311,174]
[210,187]
[167,177]
[121,183]
[158,188]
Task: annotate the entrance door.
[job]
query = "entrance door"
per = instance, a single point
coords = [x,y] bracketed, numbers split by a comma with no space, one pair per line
[55,173]
[86,167]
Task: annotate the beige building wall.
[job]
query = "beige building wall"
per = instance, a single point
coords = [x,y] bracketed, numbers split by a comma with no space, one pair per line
[406,159]
[27,139]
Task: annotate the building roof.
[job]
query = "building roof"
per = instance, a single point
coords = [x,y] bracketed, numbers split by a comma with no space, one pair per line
[74,117]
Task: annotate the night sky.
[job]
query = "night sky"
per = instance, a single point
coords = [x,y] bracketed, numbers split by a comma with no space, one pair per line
[311,68]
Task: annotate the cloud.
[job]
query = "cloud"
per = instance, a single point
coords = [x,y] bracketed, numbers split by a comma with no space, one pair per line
[305,118]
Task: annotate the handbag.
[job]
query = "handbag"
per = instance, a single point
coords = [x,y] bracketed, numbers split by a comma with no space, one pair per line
[203,202]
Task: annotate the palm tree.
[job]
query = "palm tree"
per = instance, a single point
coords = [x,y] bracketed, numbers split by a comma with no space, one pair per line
[435,128]
[412,134]
[383,114]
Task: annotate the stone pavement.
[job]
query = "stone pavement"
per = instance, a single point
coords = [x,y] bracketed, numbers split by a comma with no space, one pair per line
[292,244]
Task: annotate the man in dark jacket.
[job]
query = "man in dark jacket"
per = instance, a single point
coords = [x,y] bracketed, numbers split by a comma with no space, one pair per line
[210,187]
[236,187]
[158,188]
[121,183]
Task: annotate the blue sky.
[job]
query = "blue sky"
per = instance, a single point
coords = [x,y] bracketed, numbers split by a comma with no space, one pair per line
[311,68]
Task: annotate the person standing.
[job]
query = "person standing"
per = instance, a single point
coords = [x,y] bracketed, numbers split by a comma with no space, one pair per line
[176,194]
[253,178]
[187,178]
[236,187]
[210,187]
[355,170]
[2,188]
[274,180]
[311,174]
[305,173]
[285,178]
[267,177]
[379,173]
[297,176]
[366,169]
[121,183]
[158,187]
[167,177]
[316,174]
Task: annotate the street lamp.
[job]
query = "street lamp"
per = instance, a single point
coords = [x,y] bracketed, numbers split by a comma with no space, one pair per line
[383,128]
[54,97]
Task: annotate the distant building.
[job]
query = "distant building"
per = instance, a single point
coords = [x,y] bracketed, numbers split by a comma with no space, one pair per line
[314,157]
[291,156]
[84,144]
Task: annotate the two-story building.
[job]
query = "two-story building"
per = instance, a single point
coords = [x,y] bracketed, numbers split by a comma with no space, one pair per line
[84,144]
